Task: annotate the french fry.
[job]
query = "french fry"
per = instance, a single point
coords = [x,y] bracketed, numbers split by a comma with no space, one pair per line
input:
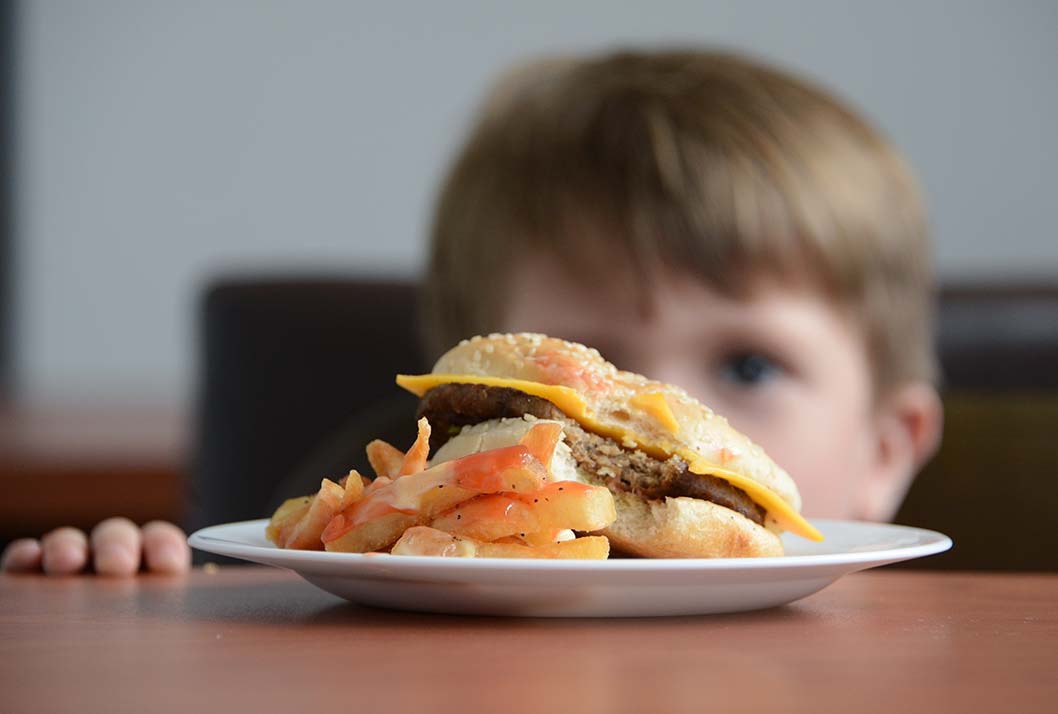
[438,489]
[441,498]
[488,518]
[535,517]
[568,504]
[354,489]
[373,535]
[422,540]
[543,537]
[361,518]
[415,460]
[389,461]
[324,506]
[511,468]
[375,485]
[444,486]
[583,548]
[385,459]
[541,441]
[286,518]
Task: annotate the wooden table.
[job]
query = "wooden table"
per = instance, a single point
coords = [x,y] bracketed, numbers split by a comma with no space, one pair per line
[249,639]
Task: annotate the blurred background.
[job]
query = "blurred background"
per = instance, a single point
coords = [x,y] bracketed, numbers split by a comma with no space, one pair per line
[150,149]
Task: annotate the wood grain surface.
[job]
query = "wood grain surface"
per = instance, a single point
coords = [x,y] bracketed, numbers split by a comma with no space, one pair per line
[251,639]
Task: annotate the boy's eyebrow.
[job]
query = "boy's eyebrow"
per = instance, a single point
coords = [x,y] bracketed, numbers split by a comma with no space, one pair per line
[774,323]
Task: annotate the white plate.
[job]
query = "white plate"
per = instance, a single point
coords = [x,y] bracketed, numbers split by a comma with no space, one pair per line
[584,588]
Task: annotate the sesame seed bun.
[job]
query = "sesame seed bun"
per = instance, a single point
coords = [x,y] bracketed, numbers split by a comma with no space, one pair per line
[664,421]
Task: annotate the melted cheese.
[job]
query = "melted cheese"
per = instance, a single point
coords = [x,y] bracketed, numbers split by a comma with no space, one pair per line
[654,404]
[567,399]
[573,404]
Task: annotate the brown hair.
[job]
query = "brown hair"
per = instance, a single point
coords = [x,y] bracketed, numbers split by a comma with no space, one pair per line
[703,160]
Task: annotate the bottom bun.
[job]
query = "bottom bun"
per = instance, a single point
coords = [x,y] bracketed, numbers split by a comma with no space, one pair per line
[686,528]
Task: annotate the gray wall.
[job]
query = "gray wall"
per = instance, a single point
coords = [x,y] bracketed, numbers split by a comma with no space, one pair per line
[159,142]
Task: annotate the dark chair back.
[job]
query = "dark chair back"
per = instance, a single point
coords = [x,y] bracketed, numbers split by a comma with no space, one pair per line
[999,338]
[283,364]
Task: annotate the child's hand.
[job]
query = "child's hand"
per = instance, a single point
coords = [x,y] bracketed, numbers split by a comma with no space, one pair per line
[116,547]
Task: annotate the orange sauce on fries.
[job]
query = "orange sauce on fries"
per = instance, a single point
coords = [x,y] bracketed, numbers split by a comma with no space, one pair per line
[485,470]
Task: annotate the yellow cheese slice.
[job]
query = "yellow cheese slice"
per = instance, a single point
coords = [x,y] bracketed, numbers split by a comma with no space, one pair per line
[780,510]
[655,404]
[567,399]
[573,404]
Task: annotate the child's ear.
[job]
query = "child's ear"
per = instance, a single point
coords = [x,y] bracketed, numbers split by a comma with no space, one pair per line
[907,430]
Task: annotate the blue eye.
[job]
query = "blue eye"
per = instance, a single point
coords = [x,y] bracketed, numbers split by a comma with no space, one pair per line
[750,369]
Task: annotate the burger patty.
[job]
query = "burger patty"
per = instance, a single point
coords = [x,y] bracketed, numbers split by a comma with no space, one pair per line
[449,407]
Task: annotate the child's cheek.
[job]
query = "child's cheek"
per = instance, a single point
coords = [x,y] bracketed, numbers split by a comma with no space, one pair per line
[818,447]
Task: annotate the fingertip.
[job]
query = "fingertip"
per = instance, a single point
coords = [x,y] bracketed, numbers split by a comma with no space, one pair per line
[65,560]
[116,559]
[64,551]
[165,548]
[168,558]
[114,523]
[21,556]
[116,546]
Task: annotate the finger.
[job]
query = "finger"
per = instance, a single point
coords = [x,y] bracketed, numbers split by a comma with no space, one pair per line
[116,544]
[165,548]
[65,551]
[21,556]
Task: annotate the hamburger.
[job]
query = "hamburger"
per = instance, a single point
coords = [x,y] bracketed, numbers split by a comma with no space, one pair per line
[685,483]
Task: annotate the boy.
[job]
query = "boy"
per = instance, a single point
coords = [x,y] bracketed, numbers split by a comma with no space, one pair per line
[714,223]
[707,221]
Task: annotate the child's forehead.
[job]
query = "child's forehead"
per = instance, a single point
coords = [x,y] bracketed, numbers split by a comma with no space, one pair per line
[609,296]
[619,282]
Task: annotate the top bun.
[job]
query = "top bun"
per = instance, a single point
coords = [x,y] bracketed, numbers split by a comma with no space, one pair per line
[663,415]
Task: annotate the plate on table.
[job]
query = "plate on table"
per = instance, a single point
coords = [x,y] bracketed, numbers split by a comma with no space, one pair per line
[584,588]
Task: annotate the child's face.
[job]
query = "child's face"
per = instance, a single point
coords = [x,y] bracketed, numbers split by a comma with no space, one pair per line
[783,367]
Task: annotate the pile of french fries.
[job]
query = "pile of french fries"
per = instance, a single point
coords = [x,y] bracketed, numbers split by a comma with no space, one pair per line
[501,503]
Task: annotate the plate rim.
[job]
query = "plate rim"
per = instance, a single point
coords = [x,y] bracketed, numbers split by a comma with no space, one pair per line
[937,542]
